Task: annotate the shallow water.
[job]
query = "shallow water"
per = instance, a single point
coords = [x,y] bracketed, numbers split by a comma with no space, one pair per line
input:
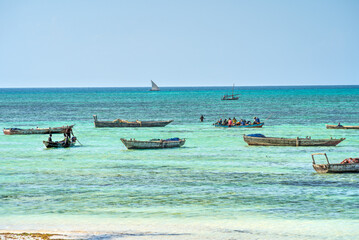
[214,177]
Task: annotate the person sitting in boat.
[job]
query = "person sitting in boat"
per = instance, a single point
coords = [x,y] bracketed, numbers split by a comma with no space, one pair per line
[249,123]
[219,122]
[244,122]
[350,161]
[50,138]
[230,122]
[67,141]
[339,125]
[256,120]
[234,121]
[225,122]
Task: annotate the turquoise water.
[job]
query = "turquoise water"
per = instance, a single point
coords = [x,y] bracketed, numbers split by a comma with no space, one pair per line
[214,176]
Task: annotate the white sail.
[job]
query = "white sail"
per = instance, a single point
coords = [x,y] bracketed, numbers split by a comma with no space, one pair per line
[154,87]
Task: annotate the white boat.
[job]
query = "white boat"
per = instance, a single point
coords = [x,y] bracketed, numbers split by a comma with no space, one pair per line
[154,87]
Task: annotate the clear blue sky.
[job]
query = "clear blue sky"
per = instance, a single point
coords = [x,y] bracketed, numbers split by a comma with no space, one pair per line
[178,43]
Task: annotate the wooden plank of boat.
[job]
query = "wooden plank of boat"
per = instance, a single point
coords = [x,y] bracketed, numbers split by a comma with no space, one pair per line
[124,123]
[251,139]
[19,131]
[58,144]
[259,125]
[154,143]
[334,168]
[341,127]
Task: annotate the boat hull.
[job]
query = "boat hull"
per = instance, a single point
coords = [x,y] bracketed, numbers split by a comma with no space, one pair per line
[60,144]
[229,99]
[341,127]
[241,126]
[102,124]
[336,168]
[17,131]
[134,144]
[123,123]
[294,142]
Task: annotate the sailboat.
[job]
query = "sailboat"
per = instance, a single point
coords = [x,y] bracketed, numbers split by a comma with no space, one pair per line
[231,97]
[154,87]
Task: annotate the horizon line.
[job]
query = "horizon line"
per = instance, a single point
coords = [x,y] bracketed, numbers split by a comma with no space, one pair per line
[307,85]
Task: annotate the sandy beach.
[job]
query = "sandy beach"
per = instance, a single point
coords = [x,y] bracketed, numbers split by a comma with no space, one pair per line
[161,229]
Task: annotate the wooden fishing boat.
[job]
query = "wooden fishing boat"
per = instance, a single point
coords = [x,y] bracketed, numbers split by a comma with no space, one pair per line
[231,97]
[60,144]
[341,127]
[20,131]
[154,87]
[350,165]
[124,123]
[261,140]
[153,143]
[259,125]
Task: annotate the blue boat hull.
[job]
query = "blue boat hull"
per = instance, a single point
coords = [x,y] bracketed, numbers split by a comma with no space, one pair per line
[241,126]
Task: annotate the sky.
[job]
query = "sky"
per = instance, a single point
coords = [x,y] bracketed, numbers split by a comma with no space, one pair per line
[122,43]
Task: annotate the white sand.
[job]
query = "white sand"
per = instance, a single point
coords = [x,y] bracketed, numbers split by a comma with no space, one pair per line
[160,229]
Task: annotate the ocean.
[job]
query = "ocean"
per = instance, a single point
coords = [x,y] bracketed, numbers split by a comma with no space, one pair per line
[214,187]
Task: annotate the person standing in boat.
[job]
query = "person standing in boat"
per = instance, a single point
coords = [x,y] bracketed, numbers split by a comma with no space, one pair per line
[68,132]
[67,142]
[201,118]
[50,138]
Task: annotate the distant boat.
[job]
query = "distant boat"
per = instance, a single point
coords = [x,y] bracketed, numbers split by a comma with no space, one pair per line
[154,87]
[125,123]
[341,127]
[261,140]
[153,143]
[231,97]
[349,165]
